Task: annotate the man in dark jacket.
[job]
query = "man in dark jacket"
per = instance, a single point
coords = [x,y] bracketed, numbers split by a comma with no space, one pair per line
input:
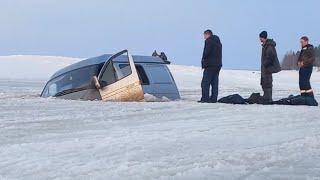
[269,64]
[211,63]
[305,62]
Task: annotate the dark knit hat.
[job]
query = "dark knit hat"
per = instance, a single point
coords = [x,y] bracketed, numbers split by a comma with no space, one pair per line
[208,32]
[264,34]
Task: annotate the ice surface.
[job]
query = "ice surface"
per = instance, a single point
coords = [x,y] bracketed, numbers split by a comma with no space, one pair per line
[63,139]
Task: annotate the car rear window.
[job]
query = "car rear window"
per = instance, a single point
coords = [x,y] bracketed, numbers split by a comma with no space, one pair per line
[160,74]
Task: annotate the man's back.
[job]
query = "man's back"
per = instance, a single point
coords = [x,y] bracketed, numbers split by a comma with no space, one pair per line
[212,54]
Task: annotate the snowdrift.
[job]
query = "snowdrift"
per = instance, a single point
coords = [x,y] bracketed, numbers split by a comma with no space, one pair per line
[32,67]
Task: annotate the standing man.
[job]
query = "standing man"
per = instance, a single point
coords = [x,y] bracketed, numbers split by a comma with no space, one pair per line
[305,63]
[211,63]
[269,64]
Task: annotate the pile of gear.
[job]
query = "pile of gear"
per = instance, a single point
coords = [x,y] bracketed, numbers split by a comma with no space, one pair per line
[256,98]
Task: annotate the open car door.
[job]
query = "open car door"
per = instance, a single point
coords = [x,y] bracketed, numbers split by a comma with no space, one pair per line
[117,84]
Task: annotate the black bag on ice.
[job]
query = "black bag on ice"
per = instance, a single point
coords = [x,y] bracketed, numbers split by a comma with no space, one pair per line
[232,99]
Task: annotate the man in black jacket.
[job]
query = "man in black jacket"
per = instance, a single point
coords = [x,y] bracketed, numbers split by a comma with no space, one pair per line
[211,63]
[269,64]
[305,62]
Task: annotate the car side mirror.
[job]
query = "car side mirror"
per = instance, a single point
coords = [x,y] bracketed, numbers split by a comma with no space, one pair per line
[96,82]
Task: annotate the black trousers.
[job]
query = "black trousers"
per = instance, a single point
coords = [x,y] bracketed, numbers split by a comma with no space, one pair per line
[304,78]
[210,78]
[266,81]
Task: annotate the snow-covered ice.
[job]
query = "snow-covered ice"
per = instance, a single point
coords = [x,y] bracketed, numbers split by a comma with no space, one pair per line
[183,140]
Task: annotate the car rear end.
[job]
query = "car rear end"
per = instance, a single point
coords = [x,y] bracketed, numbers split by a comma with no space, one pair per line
[160,82]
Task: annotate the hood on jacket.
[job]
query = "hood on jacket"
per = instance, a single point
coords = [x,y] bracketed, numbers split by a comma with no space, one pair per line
[307,46]
[214,38]
[271,42]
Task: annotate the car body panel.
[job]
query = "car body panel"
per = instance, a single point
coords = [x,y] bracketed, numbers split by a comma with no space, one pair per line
[149,75]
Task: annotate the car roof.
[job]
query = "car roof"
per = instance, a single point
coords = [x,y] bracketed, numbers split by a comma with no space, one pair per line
[104,58]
